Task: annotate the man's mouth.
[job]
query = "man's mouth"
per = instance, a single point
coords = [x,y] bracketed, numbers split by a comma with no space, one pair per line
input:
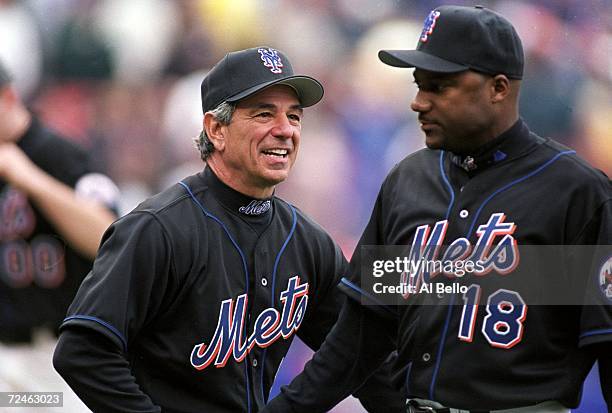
[426,122]
[276,152]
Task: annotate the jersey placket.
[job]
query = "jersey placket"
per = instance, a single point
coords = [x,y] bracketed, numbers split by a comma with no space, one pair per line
[444,310]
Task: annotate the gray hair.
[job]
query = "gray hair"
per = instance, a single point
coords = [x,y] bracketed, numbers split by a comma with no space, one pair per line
[223,113]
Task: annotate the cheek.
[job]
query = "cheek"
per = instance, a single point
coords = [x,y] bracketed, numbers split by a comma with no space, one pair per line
[468,111]
[479,102]
[296,146]
[296,140]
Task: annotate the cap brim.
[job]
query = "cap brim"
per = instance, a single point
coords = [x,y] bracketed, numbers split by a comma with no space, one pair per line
[420,60]
[308,89]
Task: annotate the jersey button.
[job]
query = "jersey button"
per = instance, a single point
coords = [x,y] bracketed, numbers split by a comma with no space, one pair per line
[264,281]
[464,213]
[426,357]
[254,362]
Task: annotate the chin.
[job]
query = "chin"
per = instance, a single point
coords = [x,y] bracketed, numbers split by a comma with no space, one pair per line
[276,177]
[434,143]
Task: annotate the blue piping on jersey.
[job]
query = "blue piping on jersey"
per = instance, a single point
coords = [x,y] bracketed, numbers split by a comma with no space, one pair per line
[363,292]
[434,377]
[229,235]
[596,333]
[102,323]
[448,185]
[502,189]
[276,261]
[244,265]
[407,384]
[440,348]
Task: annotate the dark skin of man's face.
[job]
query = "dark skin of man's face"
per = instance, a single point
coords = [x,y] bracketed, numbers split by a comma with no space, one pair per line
[455,110]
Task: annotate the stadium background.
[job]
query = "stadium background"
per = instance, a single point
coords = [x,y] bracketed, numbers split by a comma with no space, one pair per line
[122,78]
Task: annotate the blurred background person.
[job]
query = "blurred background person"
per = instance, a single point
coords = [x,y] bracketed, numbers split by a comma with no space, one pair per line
[53,212]
[115,76]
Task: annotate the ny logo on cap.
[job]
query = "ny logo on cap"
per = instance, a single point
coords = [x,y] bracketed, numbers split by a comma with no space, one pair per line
[429,24]
[271,59]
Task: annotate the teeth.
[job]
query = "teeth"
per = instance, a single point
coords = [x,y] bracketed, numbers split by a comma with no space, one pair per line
[278,152]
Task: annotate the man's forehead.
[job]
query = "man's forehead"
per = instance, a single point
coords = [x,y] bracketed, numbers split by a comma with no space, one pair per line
[420,74]
[272,97]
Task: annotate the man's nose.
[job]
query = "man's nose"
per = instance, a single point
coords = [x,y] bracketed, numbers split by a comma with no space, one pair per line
[420,103]
[282,128]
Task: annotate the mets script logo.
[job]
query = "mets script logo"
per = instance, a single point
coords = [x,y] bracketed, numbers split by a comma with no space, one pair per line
[428,26]
[256,207]
[503,257]
[228,339]
[271,59]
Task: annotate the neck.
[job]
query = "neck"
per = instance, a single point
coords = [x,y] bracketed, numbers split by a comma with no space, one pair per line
[496,128]
[504,124]
[236,183]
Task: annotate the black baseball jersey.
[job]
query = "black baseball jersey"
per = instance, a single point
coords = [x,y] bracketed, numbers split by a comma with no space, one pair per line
[202,290]
[39,272]
[490,345]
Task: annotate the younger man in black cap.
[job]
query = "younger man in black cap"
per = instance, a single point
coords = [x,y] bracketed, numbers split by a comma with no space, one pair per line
[196,295]
[484,186]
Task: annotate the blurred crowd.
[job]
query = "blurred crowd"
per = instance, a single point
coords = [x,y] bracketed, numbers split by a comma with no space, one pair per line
[123,79]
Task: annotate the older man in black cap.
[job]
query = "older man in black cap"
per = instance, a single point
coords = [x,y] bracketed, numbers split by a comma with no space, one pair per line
[196,295]
[489,340]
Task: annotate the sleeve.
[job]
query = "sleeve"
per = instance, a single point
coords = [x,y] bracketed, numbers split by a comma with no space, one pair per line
[96,369]
[602,353]
[596,318]
[118,298]
[100,188]
[355,347]
[377,394]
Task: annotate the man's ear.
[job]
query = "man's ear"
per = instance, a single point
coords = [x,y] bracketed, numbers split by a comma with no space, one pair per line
[214,130]
[501,88]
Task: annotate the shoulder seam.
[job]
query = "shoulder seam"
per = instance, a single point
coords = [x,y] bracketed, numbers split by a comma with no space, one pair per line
[591,218]
[153,214]
[577,160]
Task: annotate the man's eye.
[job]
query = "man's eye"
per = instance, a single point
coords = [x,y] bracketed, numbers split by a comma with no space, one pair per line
[433,87]
[296,118]
[264,114]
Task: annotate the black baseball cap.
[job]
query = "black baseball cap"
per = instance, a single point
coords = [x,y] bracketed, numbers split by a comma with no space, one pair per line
[245,72]
[458,38]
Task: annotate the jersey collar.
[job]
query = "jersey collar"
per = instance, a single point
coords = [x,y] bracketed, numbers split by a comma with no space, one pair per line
[235,201]
[509,145]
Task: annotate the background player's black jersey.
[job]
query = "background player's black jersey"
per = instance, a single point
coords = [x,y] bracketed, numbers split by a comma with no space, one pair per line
[39,272]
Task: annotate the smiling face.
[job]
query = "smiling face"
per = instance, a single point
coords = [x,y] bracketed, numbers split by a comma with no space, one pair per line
[257,149]
[456,110]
